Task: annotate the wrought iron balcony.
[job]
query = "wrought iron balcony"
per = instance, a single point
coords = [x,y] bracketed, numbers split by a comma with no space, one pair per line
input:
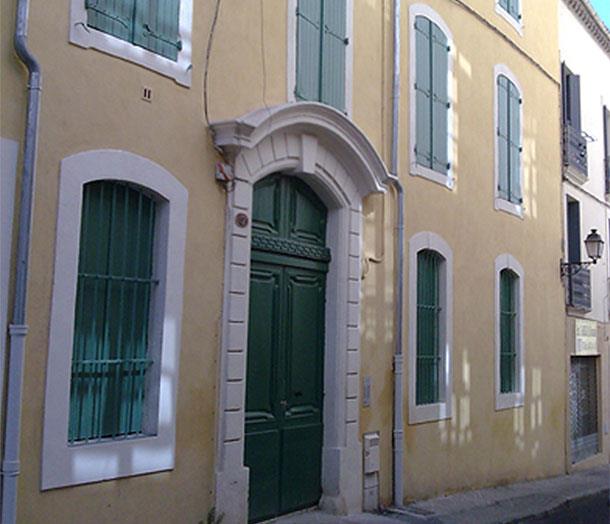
[574,152]
[578,289]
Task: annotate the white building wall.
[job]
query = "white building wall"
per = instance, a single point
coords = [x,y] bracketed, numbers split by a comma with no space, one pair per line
[584,57]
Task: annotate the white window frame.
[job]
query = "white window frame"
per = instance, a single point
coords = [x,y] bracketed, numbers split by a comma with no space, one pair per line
[501,204]
[447,180]
[291,46]
[516,24]
[64,464]
[514,399]
[440,410]
[180,70]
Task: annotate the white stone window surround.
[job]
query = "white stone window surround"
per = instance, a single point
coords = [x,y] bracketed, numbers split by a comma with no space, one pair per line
[64,464]
[180,70]
[516,24]
[291,46]
[415,169]
[325,149]
[441,410]
[501,204]
[515,399]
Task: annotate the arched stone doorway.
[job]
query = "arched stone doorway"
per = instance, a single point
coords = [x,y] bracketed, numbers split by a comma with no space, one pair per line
[332,156]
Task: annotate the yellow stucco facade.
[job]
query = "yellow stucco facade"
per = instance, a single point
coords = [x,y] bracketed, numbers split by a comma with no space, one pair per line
[92,100]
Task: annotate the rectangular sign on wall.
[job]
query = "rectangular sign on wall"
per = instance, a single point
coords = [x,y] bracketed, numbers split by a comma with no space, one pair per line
[585,337]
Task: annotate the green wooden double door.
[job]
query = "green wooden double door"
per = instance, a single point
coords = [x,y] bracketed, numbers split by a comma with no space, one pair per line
[284,391]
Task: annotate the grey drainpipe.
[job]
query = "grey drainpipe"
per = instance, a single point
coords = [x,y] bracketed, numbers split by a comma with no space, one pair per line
[18,327]
[398,420]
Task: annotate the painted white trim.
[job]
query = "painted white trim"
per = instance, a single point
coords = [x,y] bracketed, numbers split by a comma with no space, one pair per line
[64,464]
[440,410]
[180,70]
[291,53]
[501,204]
[415,169]
[9,153]
[516,399]
[516,24]
[326,150]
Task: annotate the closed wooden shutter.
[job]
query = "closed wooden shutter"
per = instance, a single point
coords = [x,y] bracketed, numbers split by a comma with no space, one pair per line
[429,360]
[114,17]
[309,49]
[513,9]
[156,27]
[431,95]
[514,105]
[607,148]
[334,42]
[321,44]
[110,355]
[508,331]
[423,92]
[503,137]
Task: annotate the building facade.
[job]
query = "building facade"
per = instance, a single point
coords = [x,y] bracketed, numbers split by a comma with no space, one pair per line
[584,45]
[213,318]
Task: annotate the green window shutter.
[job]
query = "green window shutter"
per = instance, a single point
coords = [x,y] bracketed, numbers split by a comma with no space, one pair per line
[429,361]
[309,49]
[513,9]
[156,27]
[514,109]
[440,99]
[503,137]
[508,332]
[504,4]
[110,348]
[114,17]
[423,92]
[334,43]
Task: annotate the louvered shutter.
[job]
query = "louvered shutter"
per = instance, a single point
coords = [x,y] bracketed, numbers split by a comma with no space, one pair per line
[607,147]
[574,101]
[334,42]
[309,21]
[504,4]
[514,102]
[440,99]
[423,92]
[114,17]
[156,27]
[513,9]
[502,137]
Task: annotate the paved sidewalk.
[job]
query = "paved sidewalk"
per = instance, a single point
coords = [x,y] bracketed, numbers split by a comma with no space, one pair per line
[583,497]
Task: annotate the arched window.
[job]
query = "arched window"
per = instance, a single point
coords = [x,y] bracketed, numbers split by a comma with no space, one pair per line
[509,360]
[430,328]
[114,340]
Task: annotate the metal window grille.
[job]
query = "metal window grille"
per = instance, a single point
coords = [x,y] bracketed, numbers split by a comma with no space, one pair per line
[583,407]
[429,311]
[115,279]
[508,331]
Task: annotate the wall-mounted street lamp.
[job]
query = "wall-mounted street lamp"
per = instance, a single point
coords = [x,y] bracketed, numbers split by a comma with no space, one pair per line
[594,246]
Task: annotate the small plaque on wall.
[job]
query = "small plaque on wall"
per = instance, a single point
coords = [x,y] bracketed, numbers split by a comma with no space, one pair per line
[585,334]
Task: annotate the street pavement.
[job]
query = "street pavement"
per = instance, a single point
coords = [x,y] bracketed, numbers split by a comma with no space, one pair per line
[582,497]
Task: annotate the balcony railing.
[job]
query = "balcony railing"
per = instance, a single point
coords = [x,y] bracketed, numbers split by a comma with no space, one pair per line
[574,151]
[578,292]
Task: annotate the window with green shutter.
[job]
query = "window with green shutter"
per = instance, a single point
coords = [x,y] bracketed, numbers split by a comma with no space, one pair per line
[508,136]
[321,44]
[431,96]
[110,355]
[512,8]
[428,357]
[508,332]
[151,24]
